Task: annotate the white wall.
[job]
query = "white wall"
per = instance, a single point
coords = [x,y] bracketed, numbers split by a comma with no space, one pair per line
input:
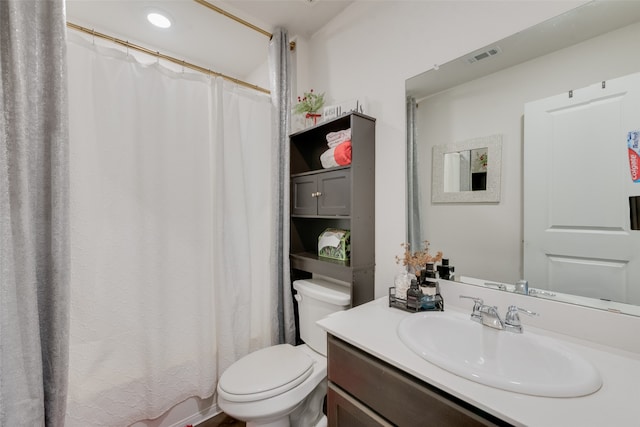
[369,51]
[485,240]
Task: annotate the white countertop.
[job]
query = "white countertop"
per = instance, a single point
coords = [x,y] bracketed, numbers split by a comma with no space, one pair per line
[372,328]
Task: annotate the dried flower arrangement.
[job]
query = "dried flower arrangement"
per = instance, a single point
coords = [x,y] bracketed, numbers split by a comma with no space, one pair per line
[415,261]
[310,103]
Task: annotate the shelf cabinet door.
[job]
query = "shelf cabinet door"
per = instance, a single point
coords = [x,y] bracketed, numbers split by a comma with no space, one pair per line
[335,189]
[324,194]
[303,198]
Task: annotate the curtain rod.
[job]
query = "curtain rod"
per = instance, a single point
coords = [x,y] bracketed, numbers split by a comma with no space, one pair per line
[292,45]
[165,57]
[235,18]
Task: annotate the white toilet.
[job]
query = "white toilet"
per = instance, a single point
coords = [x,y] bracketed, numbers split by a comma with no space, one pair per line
[283,385]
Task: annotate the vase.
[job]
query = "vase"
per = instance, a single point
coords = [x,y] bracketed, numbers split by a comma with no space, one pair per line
[312,119]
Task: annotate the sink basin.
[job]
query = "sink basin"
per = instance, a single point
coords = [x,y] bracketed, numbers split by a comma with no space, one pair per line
[525,363]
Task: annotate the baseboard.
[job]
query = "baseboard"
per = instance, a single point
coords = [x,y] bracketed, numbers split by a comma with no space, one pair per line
[198,418]
[192,411]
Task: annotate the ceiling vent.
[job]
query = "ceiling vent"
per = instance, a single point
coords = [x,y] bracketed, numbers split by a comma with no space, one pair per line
[479,56]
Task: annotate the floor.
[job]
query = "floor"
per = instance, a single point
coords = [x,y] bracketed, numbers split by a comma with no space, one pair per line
[221,420]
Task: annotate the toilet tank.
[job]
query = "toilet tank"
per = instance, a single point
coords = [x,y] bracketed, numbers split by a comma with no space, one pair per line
[317,298]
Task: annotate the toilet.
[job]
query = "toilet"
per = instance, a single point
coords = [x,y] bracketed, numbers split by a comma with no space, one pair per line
[283,385]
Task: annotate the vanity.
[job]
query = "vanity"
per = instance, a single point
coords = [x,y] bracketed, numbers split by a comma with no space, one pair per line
[375,379]
[357,396]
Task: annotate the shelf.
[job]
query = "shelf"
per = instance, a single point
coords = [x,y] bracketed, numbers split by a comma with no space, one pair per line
[316,171]
[347,202]
[321,216]
[312,263]
[331,124]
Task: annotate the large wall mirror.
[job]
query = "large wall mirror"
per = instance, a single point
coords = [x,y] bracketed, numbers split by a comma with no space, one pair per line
[559,81]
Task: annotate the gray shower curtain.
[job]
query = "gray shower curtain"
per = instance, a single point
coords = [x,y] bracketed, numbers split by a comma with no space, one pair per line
[34,262]
[280,82]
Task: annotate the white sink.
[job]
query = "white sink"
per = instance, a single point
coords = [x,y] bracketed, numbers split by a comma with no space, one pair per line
[525,363]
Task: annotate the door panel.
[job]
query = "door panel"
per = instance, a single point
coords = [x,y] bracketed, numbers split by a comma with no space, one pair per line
[334,188]
[577,236]
[303,199]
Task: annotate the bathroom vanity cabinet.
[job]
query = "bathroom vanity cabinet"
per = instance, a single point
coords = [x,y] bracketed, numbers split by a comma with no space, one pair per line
[365,391]
[339,197]
[376,380]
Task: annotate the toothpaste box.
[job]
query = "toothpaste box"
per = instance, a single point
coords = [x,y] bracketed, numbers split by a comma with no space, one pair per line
[633,148]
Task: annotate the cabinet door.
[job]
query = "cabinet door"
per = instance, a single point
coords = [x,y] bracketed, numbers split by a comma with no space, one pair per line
[344,410]
[395,395]
[335,192]
[304,200]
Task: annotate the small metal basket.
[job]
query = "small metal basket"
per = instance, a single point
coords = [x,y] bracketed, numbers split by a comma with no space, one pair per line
[434,303]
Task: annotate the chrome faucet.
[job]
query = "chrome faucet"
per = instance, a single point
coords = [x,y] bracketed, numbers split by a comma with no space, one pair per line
[512,319]
[489,316]
[485,314]
[496,285]
[522,287]
[477,303]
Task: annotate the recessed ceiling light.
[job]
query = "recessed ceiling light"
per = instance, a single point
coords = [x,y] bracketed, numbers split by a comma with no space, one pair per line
[159,20]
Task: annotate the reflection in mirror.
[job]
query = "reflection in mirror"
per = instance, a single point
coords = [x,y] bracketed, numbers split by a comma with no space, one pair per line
[465,170]
[457,171]
[461,171]
[592,43]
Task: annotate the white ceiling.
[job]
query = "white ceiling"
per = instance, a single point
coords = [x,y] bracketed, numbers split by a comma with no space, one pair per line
[203,36]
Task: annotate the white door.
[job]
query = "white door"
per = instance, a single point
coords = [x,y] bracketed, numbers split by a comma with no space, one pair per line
[577,183]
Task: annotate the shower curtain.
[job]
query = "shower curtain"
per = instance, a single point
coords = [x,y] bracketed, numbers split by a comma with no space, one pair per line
[280,76]
[170,233]
[34,253]
[414,214]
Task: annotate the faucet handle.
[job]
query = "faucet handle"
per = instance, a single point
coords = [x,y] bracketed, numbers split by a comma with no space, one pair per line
[477,301]
[512,319]
[477,304]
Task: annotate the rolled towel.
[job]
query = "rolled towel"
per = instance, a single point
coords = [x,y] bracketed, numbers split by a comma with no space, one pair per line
[336,138]
[337,156]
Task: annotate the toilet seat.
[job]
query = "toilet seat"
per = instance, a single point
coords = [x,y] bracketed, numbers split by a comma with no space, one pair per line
[265,373]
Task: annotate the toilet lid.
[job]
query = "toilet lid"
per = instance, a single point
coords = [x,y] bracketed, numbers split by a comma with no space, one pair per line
[265,373]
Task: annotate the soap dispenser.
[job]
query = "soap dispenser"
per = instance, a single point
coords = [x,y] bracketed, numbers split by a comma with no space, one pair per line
[430,271]
[414,296]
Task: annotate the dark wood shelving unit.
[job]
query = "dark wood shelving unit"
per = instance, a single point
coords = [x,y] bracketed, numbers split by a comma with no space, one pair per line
[347,202]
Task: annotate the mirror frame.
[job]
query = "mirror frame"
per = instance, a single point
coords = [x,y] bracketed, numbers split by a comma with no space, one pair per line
[491,195]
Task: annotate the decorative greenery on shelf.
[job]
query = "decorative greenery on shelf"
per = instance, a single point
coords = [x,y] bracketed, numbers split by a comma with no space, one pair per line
[416,261]
[310,103]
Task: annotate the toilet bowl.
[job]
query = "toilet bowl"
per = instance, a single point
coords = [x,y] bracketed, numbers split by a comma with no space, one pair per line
[283,385]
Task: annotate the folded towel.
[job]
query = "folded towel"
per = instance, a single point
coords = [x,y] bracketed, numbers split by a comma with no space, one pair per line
[337,156]
[336,138]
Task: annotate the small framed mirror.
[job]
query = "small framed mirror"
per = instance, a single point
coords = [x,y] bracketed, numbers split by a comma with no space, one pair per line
[467,171]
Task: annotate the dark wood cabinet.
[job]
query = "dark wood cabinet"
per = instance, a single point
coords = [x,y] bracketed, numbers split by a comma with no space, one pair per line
[365,391]
[339,197]
[344,410]
[322,194]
